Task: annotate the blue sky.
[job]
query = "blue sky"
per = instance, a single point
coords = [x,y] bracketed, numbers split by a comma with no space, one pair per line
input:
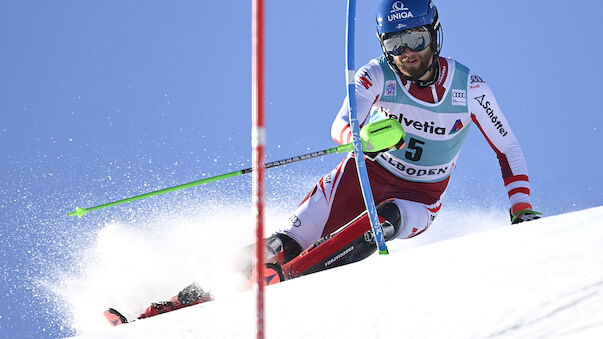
[101,100]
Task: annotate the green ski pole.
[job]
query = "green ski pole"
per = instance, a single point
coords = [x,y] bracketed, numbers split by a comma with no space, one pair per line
[80,212]
[383,134]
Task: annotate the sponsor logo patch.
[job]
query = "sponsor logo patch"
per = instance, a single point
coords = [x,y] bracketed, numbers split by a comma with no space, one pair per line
[398,6]
[408,170]
[295,221]
[390,87]
[459,97]
[399,11]
[475,78]
[339,256]
[458,125]
[483,101]
[368,237]
[429,127]
[365,79]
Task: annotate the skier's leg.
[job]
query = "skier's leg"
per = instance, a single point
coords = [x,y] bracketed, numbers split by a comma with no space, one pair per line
[280,248]
[416,217]
[326,208]
[354,242]
[333,202]
[351,243]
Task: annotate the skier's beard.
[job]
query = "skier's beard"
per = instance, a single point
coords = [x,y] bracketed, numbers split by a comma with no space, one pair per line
[416,69]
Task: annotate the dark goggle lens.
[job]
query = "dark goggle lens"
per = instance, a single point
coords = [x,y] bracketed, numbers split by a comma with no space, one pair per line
[415,40]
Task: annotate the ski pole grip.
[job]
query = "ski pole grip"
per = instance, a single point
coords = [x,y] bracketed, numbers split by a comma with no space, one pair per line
[381,135]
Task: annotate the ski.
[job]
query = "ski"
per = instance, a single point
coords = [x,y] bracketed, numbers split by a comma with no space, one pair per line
[114,317]
[189,296]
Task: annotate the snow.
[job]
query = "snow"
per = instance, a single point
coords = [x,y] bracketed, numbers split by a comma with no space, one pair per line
[542,279]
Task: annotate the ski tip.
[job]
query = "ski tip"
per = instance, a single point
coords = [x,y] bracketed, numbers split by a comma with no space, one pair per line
[114,317]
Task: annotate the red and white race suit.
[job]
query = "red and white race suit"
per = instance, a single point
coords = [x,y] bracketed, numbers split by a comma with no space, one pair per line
[436,120]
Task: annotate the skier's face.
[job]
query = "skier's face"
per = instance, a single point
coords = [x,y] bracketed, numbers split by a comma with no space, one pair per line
[413,64]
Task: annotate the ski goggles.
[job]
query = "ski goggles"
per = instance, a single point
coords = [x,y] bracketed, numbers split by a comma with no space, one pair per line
[415,39]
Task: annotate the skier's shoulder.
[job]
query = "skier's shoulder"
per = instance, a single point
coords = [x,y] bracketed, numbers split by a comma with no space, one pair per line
[370,76]
[453,64]
[475,81]
[374,66]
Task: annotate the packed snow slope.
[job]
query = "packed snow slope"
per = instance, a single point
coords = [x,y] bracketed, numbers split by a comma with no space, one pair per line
[542,279]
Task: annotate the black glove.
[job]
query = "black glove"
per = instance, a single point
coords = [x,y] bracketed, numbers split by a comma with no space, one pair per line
[523,215]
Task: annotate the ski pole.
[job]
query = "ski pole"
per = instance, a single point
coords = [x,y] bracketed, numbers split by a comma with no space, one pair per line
[383,134]
[339,149]
[365,185]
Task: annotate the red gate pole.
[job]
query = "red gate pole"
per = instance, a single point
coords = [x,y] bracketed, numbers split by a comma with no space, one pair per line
[258,143]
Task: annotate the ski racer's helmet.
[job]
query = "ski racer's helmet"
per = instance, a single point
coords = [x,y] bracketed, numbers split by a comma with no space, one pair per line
[393,17]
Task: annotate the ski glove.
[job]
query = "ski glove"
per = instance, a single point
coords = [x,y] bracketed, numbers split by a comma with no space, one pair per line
[524,215]
[381,136]
[373,155]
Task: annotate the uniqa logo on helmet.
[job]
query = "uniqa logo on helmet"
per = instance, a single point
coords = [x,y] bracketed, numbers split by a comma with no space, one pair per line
[399,12]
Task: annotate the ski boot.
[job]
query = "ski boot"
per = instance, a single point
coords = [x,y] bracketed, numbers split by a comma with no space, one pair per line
[190,295]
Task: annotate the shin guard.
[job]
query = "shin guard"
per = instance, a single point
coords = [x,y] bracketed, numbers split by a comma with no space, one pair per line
[349,244]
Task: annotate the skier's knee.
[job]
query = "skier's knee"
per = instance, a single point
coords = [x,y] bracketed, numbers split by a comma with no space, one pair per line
[390,227]
[352,243]
[280,248]
[391,213]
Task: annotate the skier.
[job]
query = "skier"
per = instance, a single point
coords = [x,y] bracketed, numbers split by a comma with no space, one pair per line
[435,99]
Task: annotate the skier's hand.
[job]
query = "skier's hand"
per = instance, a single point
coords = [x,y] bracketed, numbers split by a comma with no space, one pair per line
[373,155]
[381,136]
[524,215]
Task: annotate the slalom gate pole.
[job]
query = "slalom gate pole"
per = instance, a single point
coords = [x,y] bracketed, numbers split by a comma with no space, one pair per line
[355,126]
[258,136]
[80,212]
